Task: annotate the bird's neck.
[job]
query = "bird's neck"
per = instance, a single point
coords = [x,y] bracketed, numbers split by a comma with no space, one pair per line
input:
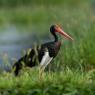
[55,37]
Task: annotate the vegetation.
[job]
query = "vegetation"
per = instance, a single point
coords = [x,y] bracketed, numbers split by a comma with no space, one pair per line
[59,83]
[73,71]
[16,3]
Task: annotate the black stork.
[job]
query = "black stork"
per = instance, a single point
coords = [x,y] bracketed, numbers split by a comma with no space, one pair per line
[44,54]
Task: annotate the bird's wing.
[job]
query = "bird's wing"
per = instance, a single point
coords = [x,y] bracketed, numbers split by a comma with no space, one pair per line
[46,59]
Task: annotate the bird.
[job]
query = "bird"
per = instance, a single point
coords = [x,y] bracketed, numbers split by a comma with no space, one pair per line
[44,53]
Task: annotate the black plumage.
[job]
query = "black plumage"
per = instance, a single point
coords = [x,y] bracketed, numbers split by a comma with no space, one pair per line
[36,55]
[32,59]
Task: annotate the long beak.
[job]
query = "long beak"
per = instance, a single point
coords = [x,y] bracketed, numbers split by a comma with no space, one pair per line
[59,30]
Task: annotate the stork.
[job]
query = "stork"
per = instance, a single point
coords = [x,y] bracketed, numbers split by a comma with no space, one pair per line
[45,54]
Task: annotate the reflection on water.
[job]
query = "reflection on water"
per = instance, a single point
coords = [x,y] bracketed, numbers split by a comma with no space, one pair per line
[13,42]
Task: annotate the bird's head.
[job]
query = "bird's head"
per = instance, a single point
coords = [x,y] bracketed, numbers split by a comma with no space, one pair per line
[56,28]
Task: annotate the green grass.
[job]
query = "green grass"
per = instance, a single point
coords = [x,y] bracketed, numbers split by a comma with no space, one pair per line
[65,82]
[73,71]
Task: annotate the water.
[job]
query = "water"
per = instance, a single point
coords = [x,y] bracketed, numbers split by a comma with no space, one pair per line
[13,43]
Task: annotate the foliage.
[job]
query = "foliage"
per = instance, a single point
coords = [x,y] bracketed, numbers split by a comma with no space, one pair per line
[65,82]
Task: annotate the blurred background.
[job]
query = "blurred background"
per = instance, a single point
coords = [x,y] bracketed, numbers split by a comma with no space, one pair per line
[26,22]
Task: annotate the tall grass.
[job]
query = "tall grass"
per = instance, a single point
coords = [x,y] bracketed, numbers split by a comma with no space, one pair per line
[66,83]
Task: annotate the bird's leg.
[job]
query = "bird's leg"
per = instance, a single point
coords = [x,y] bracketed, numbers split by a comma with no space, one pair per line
[41,72]
[49,68]
[44,62]
[42,68]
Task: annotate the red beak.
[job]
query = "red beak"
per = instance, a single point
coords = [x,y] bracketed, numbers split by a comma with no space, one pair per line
[59,30]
